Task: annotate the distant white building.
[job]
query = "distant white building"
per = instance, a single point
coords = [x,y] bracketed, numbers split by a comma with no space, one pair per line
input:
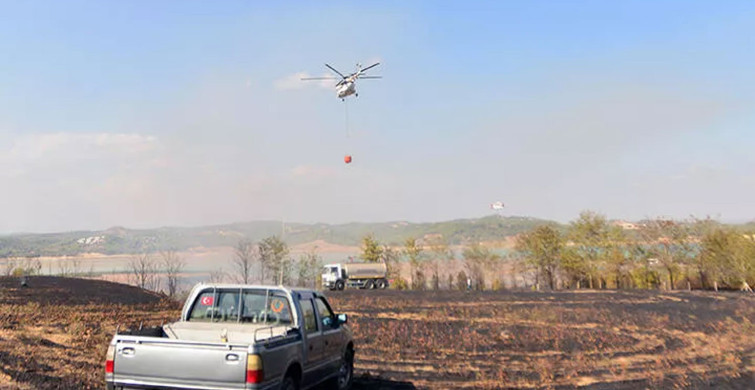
[91,240]
[626,225]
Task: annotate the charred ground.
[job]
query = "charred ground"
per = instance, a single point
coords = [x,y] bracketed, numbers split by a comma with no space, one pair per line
[53,335]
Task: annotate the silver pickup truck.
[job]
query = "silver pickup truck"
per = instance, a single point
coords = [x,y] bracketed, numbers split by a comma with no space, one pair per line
[238,337]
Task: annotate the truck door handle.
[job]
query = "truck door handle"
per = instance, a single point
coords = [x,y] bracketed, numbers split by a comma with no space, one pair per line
[232,357]
[128,351]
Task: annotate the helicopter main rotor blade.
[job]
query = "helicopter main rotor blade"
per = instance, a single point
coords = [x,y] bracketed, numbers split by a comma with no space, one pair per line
[319,78]
[334,70]
[370,77]
[371,66]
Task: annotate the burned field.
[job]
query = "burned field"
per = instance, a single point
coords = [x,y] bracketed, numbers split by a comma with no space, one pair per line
[53,335]
[606,339]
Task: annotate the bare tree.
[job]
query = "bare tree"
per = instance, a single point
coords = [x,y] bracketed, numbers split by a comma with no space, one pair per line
[245,255]
[669,242]
[9,265]
[442,255]
[75,265]
[69,266]
[64,267]
[30,265]
[478,262]
[217,276]
[142,269]
[172,264]
[391,259]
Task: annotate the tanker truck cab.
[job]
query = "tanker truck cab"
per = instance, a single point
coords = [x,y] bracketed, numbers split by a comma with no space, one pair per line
[333,277]
[356,275]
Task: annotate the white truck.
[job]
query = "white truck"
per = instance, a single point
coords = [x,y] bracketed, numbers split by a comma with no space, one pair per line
[357,275]
[238,337]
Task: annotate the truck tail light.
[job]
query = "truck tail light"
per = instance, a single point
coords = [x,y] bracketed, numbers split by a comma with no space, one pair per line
[109,359]
[254,369]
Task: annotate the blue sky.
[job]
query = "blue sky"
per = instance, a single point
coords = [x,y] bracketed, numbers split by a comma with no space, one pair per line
[146,113]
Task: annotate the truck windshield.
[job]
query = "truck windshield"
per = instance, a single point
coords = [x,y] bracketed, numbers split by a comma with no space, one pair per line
[254,306]
[331,270]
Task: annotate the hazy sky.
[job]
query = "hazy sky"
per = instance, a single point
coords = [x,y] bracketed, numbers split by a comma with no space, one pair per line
[153,113]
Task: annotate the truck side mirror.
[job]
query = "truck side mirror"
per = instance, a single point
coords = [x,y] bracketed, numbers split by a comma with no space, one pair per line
[343,318]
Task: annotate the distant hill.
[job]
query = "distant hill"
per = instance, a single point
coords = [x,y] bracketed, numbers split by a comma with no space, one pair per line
[119,240]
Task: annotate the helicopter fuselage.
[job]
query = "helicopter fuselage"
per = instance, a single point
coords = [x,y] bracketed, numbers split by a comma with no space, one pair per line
[346,88]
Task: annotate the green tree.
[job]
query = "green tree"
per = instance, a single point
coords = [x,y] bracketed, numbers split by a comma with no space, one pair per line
[372,252]
[308,269]
[273,254]
[713,244]
[730,256]
[619,257]
[644,274]
[542,248]
[413,252]
[590,235]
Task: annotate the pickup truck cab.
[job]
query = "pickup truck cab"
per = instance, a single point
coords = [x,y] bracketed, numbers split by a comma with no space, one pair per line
[238,337]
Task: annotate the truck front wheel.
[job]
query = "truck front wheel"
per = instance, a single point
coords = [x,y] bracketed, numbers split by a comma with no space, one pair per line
[346,371]
[339,285]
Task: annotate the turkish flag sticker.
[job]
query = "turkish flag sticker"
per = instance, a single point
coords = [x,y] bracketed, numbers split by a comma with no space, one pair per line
[207,301]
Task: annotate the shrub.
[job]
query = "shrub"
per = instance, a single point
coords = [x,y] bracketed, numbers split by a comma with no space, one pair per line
[400,284]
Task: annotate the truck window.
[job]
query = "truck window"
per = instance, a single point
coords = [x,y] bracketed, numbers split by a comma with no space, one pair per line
[326,315]
[308,310]
[254,309]
[202,309]
[218,306]
[228,306]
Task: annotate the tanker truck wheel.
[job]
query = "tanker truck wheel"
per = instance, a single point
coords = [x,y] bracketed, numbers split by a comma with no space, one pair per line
[339,285]
[382,284]
[369,285]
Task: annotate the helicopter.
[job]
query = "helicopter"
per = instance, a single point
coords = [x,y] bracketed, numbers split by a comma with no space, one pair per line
[346,84]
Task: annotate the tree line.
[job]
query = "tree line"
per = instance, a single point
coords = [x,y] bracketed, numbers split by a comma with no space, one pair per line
[591,252]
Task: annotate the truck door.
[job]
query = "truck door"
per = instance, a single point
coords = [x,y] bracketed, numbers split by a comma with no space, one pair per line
[313,349]
[331,335]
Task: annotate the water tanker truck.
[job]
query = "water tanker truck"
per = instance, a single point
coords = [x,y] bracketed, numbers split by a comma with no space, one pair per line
[357,275]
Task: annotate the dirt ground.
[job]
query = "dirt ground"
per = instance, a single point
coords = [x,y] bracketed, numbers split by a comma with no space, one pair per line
[590,339]
[53,335]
